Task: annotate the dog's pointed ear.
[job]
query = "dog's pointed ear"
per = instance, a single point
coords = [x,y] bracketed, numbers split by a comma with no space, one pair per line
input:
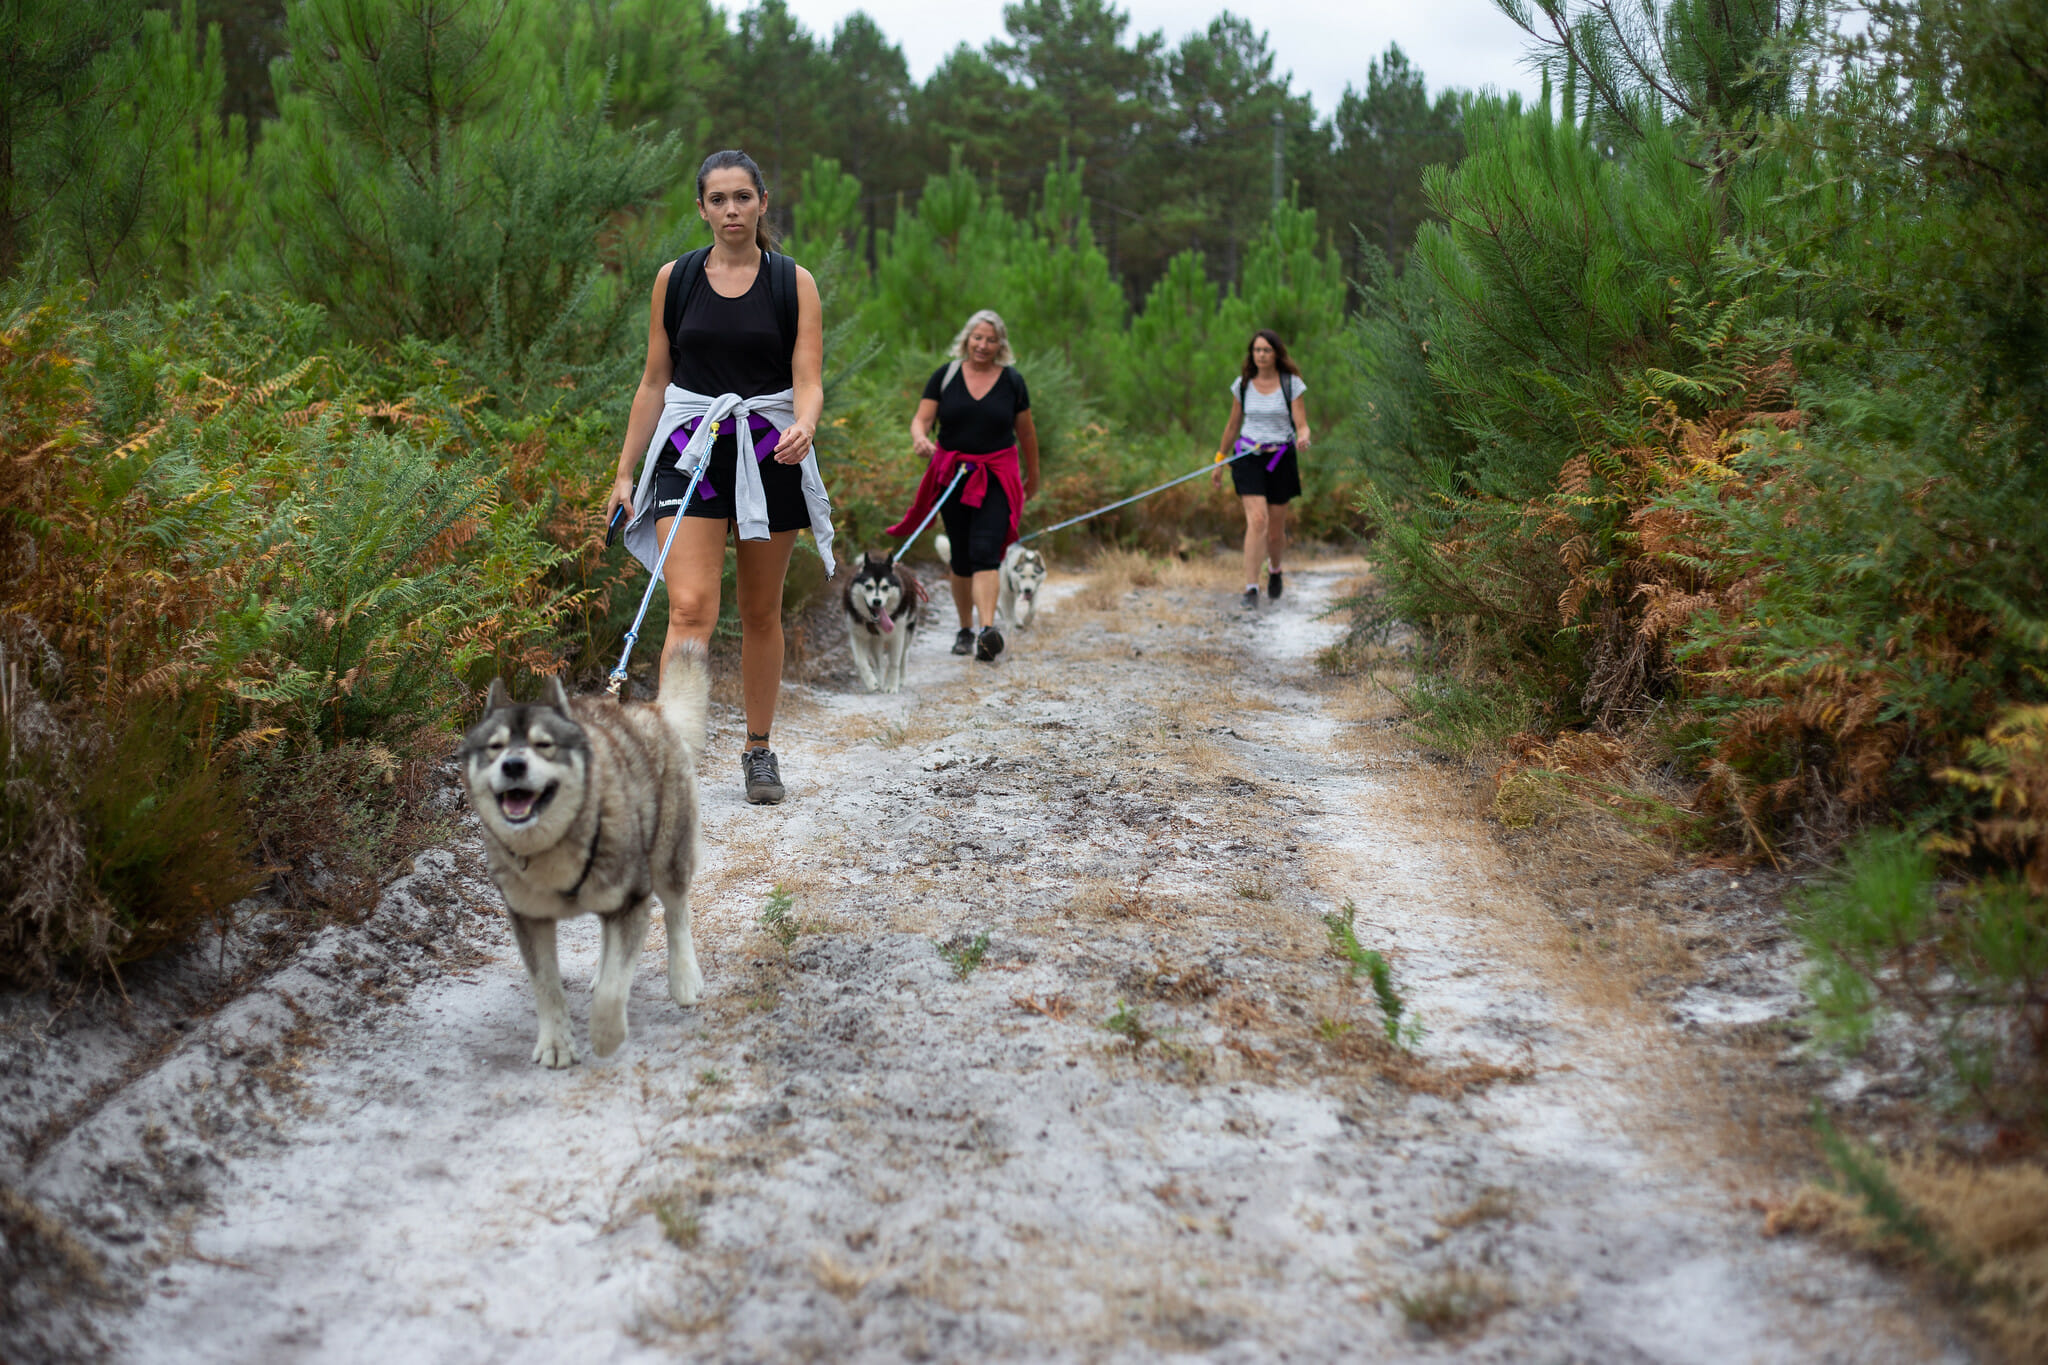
[558,695]
[497,699]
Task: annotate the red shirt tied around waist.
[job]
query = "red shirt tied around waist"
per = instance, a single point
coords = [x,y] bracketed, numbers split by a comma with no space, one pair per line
[982,411]
[973,489]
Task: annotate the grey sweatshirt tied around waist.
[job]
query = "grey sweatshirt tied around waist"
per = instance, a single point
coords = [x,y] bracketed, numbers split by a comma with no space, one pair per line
[750,503]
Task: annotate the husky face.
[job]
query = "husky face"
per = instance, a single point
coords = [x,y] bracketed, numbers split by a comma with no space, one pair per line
[528,766]
[876,593]
[1026,571]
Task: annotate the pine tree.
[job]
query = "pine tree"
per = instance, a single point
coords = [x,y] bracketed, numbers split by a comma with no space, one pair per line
[1178,353]
[62,82]
[1387,134]
[425,176]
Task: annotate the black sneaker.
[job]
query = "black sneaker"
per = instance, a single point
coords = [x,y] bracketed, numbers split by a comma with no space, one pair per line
[763,776]
[1251,599]
[988,644]
[963,643]
[1273,585]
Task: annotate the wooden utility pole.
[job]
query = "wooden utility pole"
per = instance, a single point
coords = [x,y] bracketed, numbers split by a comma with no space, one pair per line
[1279,157]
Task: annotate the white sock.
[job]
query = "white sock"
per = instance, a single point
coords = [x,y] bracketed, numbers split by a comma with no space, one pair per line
[1251,587]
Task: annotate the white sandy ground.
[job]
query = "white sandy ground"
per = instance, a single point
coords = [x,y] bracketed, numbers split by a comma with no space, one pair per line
[851,1153]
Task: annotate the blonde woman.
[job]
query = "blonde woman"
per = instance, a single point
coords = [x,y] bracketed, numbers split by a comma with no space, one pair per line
[1268,426]
[983,413]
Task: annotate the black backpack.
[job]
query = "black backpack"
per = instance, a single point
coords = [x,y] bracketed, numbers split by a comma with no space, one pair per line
[689,268]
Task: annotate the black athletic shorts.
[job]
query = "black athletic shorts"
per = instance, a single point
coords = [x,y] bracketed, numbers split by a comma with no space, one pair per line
[1249,477]
[783,485]
[979,534]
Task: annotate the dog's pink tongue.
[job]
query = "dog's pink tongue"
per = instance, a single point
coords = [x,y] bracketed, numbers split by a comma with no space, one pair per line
[882,620]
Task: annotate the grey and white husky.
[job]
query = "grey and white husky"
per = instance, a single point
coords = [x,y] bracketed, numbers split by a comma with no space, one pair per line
[589,807]
[1022,575]
[881,619]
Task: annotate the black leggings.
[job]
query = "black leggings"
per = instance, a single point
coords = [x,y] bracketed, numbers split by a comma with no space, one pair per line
[979,534]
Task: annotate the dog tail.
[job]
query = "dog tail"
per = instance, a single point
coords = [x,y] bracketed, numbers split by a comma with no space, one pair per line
[685,699]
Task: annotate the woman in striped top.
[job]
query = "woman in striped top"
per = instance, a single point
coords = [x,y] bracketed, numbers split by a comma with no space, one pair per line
[1267,430]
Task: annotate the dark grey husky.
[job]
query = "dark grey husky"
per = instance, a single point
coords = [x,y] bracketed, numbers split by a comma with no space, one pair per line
[589,807]
[881,602]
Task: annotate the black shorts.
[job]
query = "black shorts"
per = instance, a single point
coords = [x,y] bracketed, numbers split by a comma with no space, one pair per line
[1249,477]
[783,485]
[979,534]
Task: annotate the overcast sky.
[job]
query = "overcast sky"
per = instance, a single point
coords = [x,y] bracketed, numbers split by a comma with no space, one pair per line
[1325,43]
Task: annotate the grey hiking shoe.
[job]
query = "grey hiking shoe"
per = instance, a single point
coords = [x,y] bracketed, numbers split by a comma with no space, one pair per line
[763,776]
[1251,599]
[988,644]
[963,643]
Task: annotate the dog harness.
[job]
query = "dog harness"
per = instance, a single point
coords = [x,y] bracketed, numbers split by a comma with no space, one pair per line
[589,861]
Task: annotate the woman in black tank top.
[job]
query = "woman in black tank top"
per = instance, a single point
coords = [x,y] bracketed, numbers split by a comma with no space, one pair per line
[730,340]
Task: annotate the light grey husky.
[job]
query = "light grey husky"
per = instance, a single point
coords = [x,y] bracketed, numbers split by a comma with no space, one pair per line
[589,807]
[1022,575]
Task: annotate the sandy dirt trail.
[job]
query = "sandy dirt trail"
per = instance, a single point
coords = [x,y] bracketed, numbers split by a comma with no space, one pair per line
[855,1151]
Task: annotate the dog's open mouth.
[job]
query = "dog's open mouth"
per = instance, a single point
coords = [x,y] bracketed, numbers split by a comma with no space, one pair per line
[882,619]
[520,804]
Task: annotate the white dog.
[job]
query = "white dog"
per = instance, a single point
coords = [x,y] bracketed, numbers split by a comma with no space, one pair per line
[1023,574]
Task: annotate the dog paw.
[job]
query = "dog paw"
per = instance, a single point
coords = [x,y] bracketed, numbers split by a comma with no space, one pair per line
[607,1030]
[686,988]
[554,1053]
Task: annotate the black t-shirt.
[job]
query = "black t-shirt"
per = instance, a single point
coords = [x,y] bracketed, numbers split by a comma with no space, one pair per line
[978,426]
[728,345]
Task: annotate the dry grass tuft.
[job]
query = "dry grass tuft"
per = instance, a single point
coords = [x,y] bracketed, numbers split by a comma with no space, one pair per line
[1100,898]
[836,1277]
[1451,1302]
[1495,1203]
[1053,1007]
[1111,574]
[45,1272]
[1174,983]
[1114,572]
[1982,1228]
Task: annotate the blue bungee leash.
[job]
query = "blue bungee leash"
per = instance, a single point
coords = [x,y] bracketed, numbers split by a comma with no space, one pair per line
[1139,497]
[618,677]
[958,474]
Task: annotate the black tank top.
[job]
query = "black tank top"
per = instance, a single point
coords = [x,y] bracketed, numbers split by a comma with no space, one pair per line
[728,345]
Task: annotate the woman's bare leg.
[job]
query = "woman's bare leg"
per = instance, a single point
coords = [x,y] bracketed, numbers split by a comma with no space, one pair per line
[963,598]
[1276,535]
[1255,533]
[695,563]
[763,567]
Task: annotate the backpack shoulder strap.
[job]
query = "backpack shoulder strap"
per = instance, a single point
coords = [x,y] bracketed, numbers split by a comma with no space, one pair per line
[782,293]
[682,277]
[951,370]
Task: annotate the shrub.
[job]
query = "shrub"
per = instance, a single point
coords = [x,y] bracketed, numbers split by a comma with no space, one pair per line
[226,556]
